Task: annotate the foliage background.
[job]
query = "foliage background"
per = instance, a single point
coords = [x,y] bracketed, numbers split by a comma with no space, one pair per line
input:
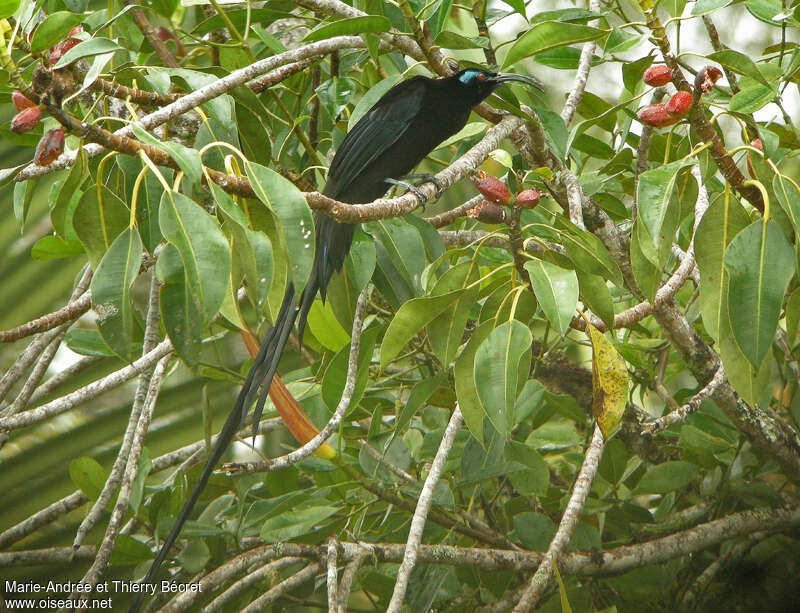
[738,453]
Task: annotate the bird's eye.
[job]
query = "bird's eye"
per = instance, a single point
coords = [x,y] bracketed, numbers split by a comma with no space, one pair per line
[481,76]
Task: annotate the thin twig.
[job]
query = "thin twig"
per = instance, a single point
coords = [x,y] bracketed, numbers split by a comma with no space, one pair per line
[582,74]
[421,512]
[285,586]
[331,560]
[221,602]
[115,476]
[69,312]
[569,520]
[681,413]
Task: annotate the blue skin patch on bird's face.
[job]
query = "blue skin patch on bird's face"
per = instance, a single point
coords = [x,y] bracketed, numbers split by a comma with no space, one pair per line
[471,75]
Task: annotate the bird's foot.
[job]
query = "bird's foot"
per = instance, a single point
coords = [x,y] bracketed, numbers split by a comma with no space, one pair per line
[427,177]
[410,188]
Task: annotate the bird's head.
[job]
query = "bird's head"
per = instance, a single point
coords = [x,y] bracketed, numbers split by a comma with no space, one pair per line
[478,84]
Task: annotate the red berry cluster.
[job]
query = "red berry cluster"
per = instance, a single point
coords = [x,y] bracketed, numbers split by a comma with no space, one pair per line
[496,193]
[665,114]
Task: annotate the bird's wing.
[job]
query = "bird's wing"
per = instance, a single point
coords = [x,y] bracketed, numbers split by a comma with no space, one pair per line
[376,132]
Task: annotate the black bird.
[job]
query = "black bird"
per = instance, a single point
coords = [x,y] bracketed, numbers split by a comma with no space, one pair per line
[404,126]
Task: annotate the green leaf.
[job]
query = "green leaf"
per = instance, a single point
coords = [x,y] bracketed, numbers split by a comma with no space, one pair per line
[55,248]
[99,217]
[792,316]
[8,8]
[300,521]
[721,222]
[614,461]
[556,290]
[548,35]
[410,318]
[334,379]
[129,551]
[53,29]
[202,247]
[400,254]
[674,7]
[535,479]
[666,477]
[88,476]
[596,295]
[68,196]
[789,199]
[297,224]
[349,27]
[87,342]
[180,311]
[464,375]
[760,264]
[325,328]
[535,531]
[703,7]
[111,298]
[751,98]
[740,63]
[447,329]
[87,48]
[588,253]
[654,195]
[497,372]
[187,159]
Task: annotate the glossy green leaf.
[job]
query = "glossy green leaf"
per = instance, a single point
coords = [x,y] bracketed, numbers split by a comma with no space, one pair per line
[129,551]
[614,461]
[202,247]
[410,318]
[87,342]
[702,7]
[88,476]
[447,329]
[595,295]
[8,8]
[87,48]
[334,379]
[660,218]
[751,98]
[666,477]
[721,222]
[323,325]
[497,372]
[98,219]
[534,479]
[400,254]
[792,317]
[556,290]
[69,194]
[464,376]
[548,35]
[53,30]
[760,264]
[789,199]
[55,248]
[111,285]
[674,7]
[297,224]
[349,27]
[187,159]
[588,253]
[180,310]
[301,520]
[740,63]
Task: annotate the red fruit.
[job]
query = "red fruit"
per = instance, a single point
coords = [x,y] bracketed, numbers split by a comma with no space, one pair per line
[528,198]
[50,146]
[656,115]
[492,188]
[26,120]
[679,103]
[487,212]
[706,78]
[21,101]
[76,30]
[657,75]
[60,49]
[756,144]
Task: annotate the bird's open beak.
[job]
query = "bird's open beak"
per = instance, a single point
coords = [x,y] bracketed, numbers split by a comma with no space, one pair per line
[509,77]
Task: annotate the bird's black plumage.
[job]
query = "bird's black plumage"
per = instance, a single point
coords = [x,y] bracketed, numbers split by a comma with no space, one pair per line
[403,126]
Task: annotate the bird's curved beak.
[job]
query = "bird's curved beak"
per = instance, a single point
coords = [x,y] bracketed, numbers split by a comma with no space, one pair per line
[510,77]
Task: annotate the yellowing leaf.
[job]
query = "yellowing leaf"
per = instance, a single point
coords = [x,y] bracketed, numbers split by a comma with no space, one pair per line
[609,382]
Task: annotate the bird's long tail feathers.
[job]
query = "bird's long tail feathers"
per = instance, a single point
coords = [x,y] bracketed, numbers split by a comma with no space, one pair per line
[263,369]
